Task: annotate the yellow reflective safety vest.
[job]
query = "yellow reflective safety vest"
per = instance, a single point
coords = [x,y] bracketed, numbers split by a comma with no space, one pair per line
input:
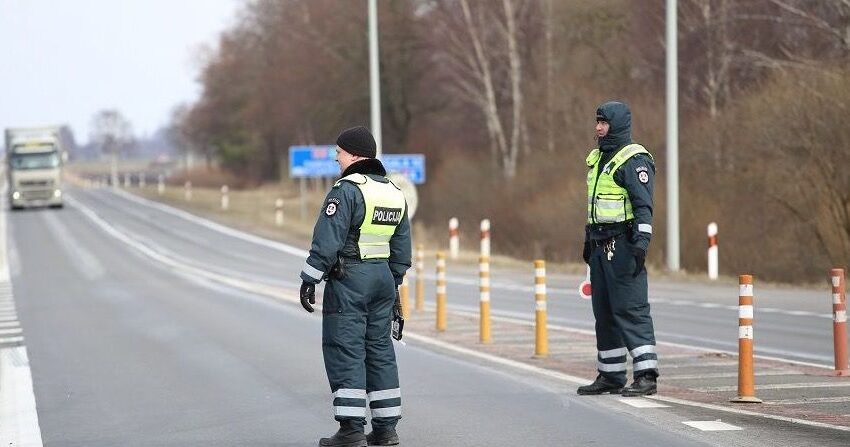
[608,202]
[385,207]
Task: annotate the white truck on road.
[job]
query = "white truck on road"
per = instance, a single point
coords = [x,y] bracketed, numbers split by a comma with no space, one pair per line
[34,159]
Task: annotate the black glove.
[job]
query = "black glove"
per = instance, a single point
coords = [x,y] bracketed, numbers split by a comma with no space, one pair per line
[585,254]
[640,260]
[308,295]
[398,319]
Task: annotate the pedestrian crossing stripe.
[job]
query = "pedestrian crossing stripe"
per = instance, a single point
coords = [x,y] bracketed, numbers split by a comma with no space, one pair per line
[640,402]
[712,425]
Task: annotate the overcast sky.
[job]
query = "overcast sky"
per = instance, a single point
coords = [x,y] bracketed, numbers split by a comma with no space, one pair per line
[64,60]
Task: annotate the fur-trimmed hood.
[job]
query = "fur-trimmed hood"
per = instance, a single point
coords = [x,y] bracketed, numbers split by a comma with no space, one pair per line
[366,166]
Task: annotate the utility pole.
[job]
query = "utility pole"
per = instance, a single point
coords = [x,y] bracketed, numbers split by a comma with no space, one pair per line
[374,79]
[672,139]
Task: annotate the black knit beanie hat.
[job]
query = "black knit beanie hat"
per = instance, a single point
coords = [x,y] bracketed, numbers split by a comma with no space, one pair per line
[357,141]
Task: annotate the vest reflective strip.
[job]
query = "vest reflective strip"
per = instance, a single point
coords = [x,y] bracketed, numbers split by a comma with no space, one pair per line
[641,350]
[349,393]
[394,393]
[350,411]
[313,272]
[386,412]
[609,204]
[646,364]
[375,238]
[619,352]
[375,251]
[611,367]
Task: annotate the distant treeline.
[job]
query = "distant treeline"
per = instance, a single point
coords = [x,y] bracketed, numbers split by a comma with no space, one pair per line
[501,97]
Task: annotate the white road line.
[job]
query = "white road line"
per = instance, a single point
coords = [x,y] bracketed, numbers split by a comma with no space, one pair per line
[810,400]
[18,416]
[275,293]
[711,425]
[4,319]
[776,386]
[17,401]
[639,402]
[714,407]
[297,252]
[8,324]
[7,332]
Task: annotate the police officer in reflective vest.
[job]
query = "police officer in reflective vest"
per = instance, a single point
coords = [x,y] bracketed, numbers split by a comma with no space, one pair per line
[361,246]
[619,226]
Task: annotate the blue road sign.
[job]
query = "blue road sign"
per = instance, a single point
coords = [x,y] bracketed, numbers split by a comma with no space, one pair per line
[313,161]
[410,165]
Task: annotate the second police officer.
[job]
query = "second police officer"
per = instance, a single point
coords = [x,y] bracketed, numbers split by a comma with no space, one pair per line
[620,182]
[361,246]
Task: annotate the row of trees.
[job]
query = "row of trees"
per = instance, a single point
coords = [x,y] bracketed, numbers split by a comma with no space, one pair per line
[501,96]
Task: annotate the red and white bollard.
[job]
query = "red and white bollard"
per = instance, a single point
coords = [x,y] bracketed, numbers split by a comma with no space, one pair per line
[485,238]
[187,191]
[839,322]
[712,251]
[746,373]
[454,238]
[160,184]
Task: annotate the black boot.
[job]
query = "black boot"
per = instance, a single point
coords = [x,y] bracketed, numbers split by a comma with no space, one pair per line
[642,386]
[348,435]
[382,436]
[601,385]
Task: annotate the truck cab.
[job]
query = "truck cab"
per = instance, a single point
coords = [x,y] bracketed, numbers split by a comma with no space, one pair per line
[34,168]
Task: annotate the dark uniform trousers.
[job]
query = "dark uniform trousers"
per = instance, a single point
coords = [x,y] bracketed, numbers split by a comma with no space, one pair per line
[621,307]
[356,344]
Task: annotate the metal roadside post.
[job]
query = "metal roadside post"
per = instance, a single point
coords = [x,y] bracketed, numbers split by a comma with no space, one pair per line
[839,322]
[160,184]
[541,339]
[746,374]
[187,193]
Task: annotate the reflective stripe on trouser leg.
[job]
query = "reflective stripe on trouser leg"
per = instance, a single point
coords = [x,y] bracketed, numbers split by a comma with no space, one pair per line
[630,308]
[382,382]
[644,358]
[611,356]
[349,403]
[385,403]
[344,355]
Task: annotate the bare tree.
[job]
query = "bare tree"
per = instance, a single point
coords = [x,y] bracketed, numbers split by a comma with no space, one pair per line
[113,134]
[487,67]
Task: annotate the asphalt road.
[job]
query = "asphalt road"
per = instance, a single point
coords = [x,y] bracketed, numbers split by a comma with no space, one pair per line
[126,349]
